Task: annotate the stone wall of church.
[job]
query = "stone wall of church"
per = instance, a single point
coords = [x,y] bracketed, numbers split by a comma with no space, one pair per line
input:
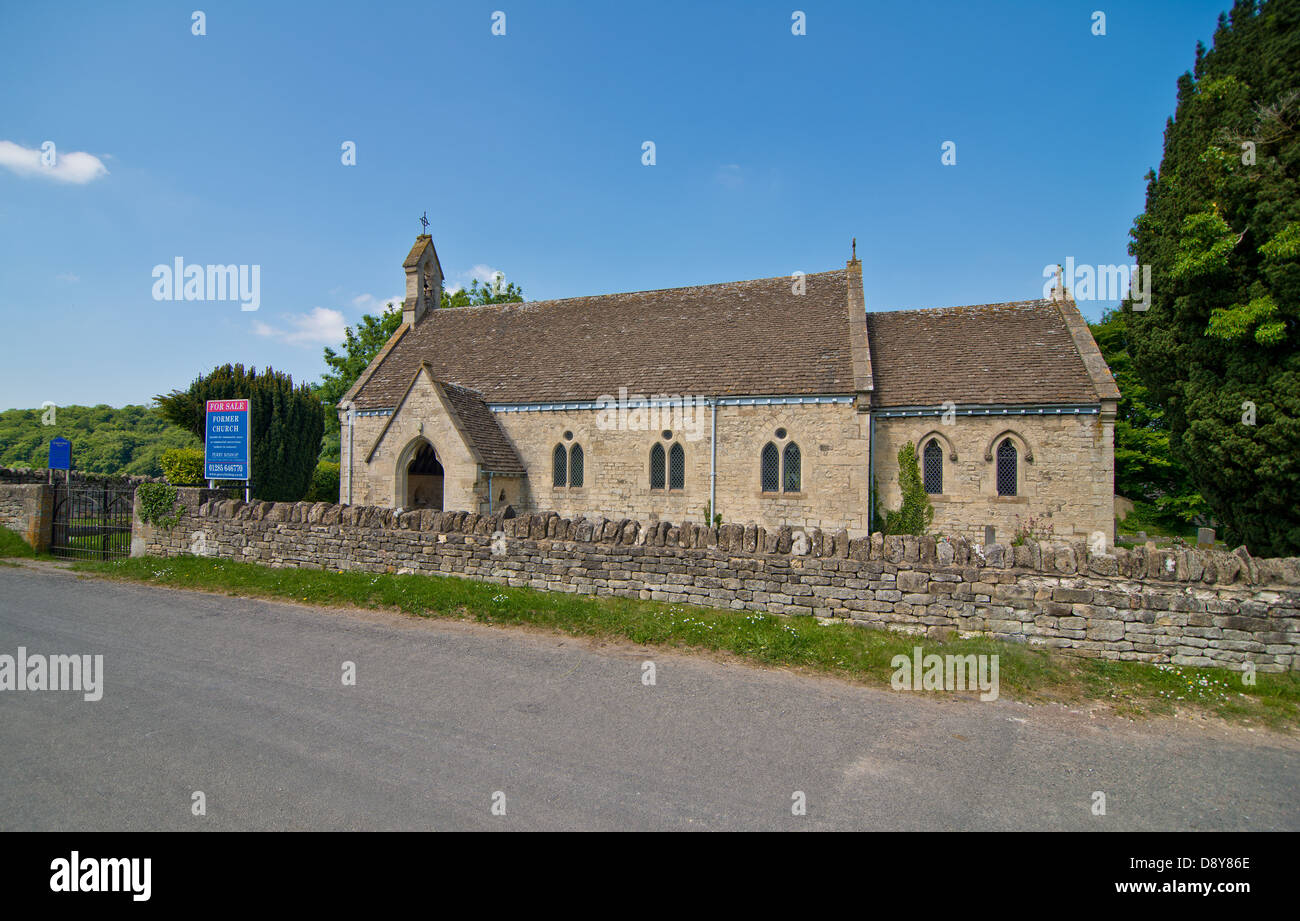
[1069,484]
[382,479]
[832,440]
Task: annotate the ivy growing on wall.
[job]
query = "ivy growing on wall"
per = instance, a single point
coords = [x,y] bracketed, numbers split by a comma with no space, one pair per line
[158,504]
[917,512]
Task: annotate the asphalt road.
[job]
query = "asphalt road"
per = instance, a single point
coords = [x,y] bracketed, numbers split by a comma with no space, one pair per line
[244,701]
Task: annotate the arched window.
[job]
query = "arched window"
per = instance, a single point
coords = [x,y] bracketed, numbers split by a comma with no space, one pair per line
[932,457]
[790,482]
[559,466]
[676,467]
[575,465]
[1007,468]
[657,467]
[771,473]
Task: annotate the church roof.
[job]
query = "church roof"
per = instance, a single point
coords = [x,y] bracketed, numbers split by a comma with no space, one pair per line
[739,338]
[1016,353]
[748,338]
[482,433]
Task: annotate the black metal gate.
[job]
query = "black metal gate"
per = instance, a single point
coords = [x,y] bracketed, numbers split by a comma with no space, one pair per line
[92,522]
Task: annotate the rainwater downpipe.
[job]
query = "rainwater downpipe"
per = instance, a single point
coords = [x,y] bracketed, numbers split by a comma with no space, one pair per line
[713,464]
[351,465]
[871,471]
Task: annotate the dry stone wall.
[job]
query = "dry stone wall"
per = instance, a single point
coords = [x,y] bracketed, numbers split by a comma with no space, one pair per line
[1186,607]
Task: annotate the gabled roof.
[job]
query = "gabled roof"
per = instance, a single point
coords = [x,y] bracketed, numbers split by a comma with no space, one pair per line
[478,425]
[470,416]
[740,338]
[1017,353]
[748,338]
[422,242]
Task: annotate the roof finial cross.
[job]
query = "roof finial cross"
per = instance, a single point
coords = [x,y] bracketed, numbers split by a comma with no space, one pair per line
[424,221]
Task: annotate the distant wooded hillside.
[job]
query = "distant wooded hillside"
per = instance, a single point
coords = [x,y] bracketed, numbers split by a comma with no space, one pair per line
[105,439]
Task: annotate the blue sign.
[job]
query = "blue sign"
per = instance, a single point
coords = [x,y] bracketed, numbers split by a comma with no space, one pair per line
[227,441]
[60,454]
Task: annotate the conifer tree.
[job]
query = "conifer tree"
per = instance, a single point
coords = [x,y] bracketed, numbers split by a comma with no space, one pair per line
[1219,346]
[287,423]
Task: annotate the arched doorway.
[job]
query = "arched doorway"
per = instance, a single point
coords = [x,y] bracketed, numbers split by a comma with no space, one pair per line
[424,476]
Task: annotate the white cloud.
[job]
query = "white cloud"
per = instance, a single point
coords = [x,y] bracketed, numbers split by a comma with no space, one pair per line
[320,327]
[483,274]
[372,303]
[77,167]
[68,278]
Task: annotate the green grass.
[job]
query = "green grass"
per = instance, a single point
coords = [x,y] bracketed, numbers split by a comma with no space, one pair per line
[1144,518]
[1025,673]
[116,542]
[12,545]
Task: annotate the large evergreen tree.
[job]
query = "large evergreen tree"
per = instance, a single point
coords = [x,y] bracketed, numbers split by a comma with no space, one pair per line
[1221,231]
[287,424]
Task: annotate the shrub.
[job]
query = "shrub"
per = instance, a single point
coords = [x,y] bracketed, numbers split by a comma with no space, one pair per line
[158,504]
[183,466]
[324,483]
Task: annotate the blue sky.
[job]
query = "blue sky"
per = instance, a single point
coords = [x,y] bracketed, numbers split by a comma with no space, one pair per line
[772,151]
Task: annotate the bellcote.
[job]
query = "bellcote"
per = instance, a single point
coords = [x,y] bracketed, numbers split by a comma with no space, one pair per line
[423,280]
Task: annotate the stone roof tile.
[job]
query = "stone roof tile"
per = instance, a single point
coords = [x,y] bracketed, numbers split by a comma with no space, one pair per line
[480,427]
[1017,353]
[745,338]
[740,338]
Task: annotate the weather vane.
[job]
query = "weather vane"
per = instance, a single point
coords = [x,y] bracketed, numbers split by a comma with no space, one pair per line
[424,221]
[855,247]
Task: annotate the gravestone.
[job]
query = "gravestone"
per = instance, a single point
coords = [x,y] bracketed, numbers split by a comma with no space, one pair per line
[990,535]
[1205,537]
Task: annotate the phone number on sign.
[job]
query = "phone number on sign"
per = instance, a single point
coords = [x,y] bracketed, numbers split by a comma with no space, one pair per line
[225,469]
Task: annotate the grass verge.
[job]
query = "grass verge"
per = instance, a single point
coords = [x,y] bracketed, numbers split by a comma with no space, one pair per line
[1025,673]
[12,545]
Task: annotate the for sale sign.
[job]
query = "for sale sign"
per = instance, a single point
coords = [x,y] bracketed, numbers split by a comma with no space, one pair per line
[227,442]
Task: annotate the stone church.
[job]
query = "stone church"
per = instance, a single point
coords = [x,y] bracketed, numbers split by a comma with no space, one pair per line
[774,401]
